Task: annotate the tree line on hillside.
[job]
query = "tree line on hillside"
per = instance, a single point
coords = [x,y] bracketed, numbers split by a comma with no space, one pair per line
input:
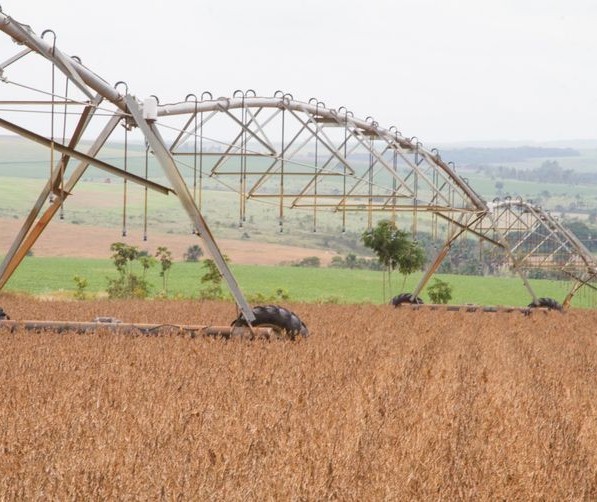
[466,256]
[549,171]
[477,156]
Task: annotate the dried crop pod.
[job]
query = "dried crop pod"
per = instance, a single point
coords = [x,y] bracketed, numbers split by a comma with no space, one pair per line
[406,298]
[282,320]
[549,303]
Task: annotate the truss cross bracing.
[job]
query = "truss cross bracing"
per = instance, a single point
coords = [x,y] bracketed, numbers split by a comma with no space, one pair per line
[293,154]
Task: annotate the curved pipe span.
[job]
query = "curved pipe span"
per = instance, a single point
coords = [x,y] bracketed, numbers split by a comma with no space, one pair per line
[538,240]
[316,108]
[374,168]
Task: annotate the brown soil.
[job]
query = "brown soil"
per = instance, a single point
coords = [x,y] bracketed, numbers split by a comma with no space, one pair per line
[65,239]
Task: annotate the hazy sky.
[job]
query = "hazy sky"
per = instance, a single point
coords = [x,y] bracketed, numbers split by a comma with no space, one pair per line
[444,71]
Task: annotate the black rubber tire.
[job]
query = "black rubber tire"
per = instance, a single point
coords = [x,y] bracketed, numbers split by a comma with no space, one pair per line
[3,315]
[549,303]
[282,320]
[406,298]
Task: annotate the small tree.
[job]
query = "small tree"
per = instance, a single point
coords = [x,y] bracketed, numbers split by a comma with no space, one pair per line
[123,256]
[128,284]
[411,260]
[164,256]
[81,283]
[440,291]
[337,262]
[351,260]
[147,262]
[193,253]
[213,279]
[394,249]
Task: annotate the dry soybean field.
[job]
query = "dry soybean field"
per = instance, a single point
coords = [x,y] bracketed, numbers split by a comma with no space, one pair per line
[377,404]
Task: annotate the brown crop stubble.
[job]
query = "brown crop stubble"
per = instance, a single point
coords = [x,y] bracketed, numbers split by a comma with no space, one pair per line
[377,404]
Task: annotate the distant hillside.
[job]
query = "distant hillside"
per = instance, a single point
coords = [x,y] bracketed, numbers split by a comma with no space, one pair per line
[480,156]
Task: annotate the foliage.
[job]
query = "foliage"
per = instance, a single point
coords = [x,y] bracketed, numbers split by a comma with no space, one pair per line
[500,155]
[193,253]
[147,262]
[306,284]
[309,261]
[213,279]
[585,233]
[550,171]
[386,241]
[411,259]
[123,256]
[394,249]
[352,261]
[279,294]
[81,284]
[164,256]
[440,291]
[128,284]
[466,257]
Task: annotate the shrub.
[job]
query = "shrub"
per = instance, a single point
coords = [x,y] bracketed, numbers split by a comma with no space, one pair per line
[440,291]
[128,284]
[193,253]
[309,261]
[81,283]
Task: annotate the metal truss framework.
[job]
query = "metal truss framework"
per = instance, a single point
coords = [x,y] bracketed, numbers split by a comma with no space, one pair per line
[275,149]
[538,240]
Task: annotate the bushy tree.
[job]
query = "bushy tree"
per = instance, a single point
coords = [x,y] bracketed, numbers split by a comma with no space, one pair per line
[193,253]
[410,259]
[213,279]
[128,284]
[440,291]
[81,284]
[394,249]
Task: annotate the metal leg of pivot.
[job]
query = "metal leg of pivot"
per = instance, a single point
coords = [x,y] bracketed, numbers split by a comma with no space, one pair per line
[28,235]
[438,260]
[168,164]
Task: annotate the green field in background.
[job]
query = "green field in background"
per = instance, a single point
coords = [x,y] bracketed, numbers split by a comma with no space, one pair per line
[54,276]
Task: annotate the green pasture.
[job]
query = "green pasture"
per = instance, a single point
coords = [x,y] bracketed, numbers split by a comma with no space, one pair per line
[54,277]
[533,190]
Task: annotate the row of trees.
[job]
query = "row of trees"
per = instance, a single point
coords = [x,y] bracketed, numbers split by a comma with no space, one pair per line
[394,249]
[549,171]
[130,284]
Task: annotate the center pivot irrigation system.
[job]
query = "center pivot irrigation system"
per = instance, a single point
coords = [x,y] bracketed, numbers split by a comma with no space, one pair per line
[272,150]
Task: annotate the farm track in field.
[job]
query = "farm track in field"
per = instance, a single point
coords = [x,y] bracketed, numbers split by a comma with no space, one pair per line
[376,404]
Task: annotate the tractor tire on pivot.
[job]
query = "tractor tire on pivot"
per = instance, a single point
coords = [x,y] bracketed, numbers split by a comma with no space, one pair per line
[549,303]
[406,298]
[281,320]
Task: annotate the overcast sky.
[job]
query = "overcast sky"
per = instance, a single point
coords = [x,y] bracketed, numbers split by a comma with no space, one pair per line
[444,71]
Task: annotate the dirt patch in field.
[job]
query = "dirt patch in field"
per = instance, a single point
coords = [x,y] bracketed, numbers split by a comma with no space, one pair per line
[66,239]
